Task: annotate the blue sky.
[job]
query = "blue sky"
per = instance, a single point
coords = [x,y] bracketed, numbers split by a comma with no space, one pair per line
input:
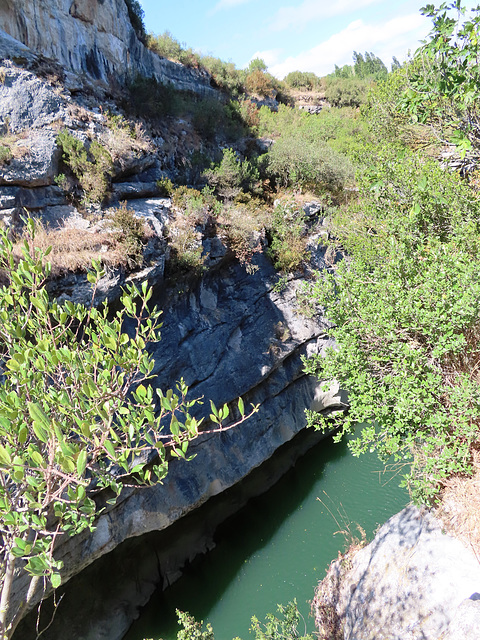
[308,35]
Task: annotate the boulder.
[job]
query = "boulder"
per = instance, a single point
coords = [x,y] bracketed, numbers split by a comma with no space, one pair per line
[35,160]
[28,102]
[412,582]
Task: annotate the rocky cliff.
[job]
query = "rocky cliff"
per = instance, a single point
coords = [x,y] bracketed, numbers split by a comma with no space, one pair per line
[95,38]
[231,332]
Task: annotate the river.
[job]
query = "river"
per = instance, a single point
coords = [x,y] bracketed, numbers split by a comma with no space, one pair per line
[279,545]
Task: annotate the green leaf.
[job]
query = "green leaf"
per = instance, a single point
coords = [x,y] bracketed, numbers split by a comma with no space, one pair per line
[110,449]
[81,462]
[241,407]
[56,580]
[4,456]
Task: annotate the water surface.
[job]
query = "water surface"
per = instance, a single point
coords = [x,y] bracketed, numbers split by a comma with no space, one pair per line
[279,545]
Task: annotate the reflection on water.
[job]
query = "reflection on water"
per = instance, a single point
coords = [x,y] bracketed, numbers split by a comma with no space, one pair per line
[279,545]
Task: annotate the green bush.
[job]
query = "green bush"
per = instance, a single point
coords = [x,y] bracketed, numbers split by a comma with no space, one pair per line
[304,80]
[130,233]
[5,154]
[405,308]
[295,161]
[92,168]
[151,99]
[232,176]
[287,230]
[346,92]
[69,417]
[165,187]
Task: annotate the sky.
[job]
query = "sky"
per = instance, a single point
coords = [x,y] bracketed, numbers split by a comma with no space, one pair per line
[305,35]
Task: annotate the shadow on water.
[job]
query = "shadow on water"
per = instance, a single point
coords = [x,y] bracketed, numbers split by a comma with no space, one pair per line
[276,547]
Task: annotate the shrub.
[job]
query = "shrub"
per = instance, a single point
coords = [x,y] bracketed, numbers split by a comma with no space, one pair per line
[346,92]
[243,225]
[232,176]
[405,309]
[165,187]
[166,46]
[288,237]
[69,416]
[5,154]
[91,168]
[151,99]
[304,80]
[295,161]
[261,84]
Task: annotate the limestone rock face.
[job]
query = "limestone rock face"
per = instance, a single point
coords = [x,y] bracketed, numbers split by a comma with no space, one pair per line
[231,335]
[412,582]
[93,37]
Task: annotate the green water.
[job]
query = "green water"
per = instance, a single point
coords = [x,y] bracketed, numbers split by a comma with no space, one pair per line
[279,545]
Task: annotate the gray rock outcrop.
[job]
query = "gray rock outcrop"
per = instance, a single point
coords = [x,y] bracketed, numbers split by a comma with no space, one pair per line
[412,582]
[231,335]
[106,47]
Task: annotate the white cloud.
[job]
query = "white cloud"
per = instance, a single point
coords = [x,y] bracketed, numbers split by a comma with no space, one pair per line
[310,10]
[392,38]
[228,4]
[270,56]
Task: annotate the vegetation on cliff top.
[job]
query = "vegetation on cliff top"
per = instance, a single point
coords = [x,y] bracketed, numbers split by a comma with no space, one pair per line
[405,301]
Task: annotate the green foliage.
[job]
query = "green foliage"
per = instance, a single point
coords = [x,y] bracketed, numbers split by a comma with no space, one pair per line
[261,84]
[304,80]
[369,65]
[92,168]
[288,237]
[77,415]
[232,176]
[365,66]
[191,629]
[444,80]
[151,99]
[297,161]
[257,64]
[343,72]
[5,154]
[165,186]
[283,628]
[243,226]
[76,412]
[405,308]
[346,92]
[166,46]
[225,75]
[211,117]
[136,15]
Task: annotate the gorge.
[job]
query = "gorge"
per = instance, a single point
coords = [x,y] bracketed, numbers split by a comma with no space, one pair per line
[235,328]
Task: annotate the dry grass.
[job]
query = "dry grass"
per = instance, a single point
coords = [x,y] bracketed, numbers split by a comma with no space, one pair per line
[74,249]
[326,608]
[123,142]
[243,226]
[459,509]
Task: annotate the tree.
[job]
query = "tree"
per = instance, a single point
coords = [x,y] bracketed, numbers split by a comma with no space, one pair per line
[77,415]
[257,64]
[444,76]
